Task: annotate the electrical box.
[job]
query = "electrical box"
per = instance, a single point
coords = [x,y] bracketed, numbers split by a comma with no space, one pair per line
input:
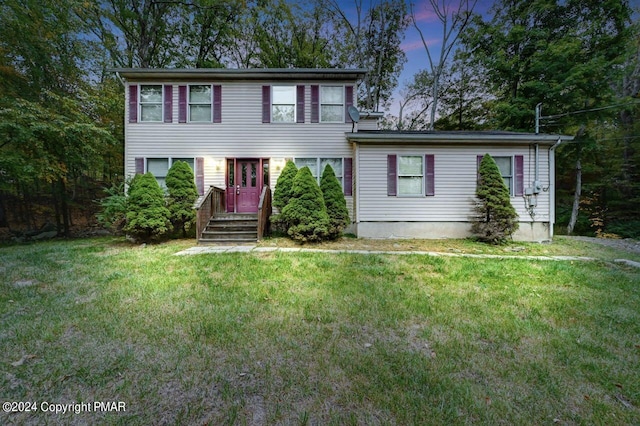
[528,192]
[532,201]
[537,187]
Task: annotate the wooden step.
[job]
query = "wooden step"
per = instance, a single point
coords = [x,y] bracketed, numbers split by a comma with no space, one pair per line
[231,228]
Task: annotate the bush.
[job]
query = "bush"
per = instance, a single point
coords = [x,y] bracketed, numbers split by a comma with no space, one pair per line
[282,192]
[182,194]
[147,216]
[114,208]
[334,201]
[306,214]
[496,219]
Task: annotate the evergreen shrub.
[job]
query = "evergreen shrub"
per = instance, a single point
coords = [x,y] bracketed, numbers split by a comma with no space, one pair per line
[305,213]
[182,194]
[282,192]
[495,218]
[148,218]
[335,202]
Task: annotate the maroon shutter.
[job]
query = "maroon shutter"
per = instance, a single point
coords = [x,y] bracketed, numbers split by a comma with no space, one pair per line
[429,175]
[182,104]
[348,94]
[348,176]
[200,175]
[133,103]
[266,104]
[168,103]
[139,165]
[392,167]
[315,104]
[217,104]
[300,104]
[519,183]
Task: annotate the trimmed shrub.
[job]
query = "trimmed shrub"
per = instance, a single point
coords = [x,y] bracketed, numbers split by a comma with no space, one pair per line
[282,192]
[182,194]
[147,216]
[305,214]
[334,201]
[496,219]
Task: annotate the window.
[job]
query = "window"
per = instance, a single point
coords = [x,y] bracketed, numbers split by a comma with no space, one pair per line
[332,104]
[283,107]
[200,98]
[151,102]
[505,165]
[160,167]
[312,163]
[410,175]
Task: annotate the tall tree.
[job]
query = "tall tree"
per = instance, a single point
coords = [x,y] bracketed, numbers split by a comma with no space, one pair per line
[370,39]
[454,20]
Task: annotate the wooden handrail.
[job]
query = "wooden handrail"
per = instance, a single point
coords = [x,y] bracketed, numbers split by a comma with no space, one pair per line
[213,202]
[264,212]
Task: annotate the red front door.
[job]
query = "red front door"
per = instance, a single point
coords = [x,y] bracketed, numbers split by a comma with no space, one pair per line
[245,183]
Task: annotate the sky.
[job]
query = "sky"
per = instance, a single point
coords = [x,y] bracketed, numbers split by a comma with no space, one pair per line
[432,29]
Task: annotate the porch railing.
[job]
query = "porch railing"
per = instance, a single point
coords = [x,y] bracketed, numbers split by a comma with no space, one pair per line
[264,211]
[212,202]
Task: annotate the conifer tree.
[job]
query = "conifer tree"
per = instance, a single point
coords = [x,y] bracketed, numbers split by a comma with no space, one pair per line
[147,215]
[282,192]
[182,195]
[334,201]
[496,219]
[306,213]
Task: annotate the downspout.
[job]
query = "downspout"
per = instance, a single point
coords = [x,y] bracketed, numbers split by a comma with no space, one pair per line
[552,185]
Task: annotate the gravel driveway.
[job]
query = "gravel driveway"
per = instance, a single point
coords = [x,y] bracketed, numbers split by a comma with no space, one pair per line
[627,244]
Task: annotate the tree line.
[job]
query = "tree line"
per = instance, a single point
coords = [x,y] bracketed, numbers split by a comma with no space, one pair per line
[61,110]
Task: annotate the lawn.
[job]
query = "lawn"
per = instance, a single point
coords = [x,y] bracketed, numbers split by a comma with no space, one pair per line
[317,338]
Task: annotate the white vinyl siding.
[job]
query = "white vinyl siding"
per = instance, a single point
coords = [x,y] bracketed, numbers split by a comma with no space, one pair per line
[241,134]
[150,103]
[455,184]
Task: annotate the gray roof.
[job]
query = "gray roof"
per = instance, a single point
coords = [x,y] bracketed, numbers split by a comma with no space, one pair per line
[219,74]
[462,137]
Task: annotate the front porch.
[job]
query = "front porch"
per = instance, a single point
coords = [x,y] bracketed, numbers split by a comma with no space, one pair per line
[214,224]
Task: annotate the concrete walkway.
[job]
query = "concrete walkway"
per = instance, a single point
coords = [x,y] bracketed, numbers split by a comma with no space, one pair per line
[255,249]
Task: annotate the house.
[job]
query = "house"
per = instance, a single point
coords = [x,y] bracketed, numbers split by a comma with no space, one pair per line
[237,128]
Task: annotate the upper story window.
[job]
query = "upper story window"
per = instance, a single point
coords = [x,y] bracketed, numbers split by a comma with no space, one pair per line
[200,100]
[151,102]
[332,104]
[283,105]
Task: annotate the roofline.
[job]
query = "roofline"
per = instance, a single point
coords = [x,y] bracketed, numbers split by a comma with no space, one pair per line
[240,74]
[431,138]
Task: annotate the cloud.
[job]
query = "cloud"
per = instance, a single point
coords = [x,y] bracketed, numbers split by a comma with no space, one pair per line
[412,45]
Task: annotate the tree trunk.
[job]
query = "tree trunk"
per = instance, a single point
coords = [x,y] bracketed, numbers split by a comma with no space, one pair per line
[576,196]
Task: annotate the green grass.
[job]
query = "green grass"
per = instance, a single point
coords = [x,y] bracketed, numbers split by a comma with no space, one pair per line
[317,338]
